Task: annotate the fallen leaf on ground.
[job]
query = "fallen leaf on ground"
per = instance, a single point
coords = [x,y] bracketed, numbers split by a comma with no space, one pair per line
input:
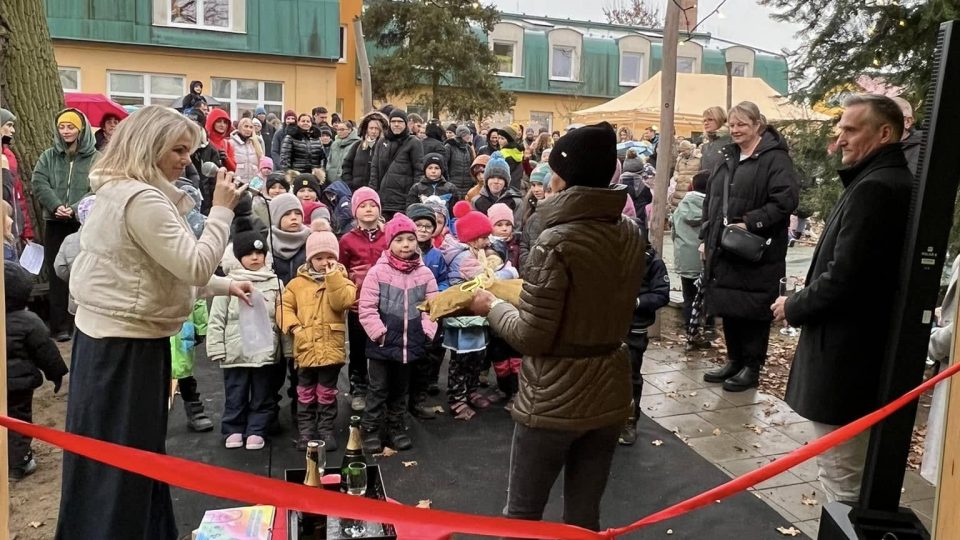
[808,501]
[438,409]
[717,431]
[36,524]
[425,503]
[792,531]
[669,531]
[387,452]
[756,445]
[657,442]
[409,463]
[693,393]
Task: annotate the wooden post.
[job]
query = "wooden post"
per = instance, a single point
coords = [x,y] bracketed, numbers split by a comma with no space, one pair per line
[668,92]
[366,87]
[5,484]
[947,510]
[729,85]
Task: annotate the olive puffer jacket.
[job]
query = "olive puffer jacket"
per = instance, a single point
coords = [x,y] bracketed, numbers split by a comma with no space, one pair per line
[396,164]
[318,312]
[581,283]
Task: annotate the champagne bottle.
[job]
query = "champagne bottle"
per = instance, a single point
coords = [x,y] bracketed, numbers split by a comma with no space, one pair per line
[354,451]
[313,467]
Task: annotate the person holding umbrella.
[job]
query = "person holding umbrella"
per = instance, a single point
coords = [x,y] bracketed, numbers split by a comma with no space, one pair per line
[60,180]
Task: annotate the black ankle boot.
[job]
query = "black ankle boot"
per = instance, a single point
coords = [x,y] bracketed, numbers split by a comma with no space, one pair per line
[748,377]
[723,373]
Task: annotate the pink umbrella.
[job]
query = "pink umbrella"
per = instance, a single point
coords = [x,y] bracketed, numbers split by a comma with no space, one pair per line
[94,106]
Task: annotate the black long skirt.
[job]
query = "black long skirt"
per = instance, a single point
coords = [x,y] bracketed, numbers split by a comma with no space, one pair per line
[118,393]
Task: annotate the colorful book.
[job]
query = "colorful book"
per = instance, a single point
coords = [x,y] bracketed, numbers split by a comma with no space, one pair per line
[245,523]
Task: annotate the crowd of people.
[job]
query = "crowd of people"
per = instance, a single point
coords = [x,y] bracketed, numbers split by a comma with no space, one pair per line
[170,224]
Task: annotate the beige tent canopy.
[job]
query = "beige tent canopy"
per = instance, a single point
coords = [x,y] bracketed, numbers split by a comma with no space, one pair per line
[696,92]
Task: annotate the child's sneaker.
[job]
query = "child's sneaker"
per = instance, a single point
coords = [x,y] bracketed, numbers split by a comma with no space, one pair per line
[235,440]
[255,442]
[462,411]
[23,471]
[478,400]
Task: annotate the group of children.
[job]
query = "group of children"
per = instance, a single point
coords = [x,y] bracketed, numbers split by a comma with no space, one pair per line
[330,272]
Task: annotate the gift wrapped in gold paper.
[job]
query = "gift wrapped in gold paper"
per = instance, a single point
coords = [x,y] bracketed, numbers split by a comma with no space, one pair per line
[456,300]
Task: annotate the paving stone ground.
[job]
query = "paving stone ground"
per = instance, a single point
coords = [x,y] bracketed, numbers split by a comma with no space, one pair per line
[740,432]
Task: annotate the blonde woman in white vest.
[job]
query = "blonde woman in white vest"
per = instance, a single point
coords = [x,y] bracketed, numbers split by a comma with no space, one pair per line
[135,281]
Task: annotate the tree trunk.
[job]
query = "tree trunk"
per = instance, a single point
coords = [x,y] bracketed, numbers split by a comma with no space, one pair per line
[435,94]
[30,86]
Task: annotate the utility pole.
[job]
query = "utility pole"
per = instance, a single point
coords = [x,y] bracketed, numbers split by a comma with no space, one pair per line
[366,88]
[668,92]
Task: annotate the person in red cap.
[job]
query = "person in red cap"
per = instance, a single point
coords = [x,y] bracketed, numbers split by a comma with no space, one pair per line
[467,337]
[580,288]
[397,333]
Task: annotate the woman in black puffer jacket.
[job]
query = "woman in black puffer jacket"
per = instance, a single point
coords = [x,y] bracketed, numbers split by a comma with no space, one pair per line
[301,149]
[460,156]
[356,166]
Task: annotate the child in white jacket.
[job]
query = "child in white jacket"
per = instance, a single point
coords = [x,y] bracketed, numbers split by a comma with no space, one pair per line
[248,383]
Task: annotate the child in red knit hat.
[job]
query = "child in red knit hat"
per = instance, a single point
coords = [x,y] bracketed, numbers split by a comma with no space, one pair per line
[467,337]
[397,333]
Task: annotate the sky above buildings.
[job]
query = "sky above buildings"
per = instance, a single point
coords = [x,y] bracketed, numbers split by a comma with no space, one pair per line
[743,21]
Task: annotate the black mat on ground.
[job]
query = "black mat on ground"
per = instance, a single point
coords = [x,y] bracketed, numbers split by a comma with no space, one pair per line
[462,466]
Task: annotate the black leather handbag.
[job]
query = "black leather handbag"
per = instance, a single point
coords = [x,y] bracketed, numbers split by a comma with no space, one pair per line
[737,240]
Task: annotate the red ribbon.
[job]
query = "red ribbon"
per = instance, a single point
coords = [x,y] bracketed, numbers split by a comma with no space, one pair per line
[417,522]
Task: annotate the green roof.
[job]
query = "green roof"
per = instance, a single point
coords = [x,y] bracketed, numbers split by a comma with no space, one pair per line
[296,28]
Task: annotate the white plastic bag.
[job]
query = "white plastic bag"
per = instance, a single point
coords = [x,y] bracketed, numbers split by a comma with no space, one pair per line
[256,330]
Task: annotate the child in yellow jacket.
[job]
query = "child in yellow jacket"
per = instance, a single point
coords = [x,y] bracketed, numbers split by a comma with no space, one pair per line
[314,310]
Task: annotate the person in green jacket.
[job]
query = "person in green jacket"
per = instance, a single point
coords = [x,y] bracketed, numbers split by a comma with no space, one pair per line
[60,180]
[687,261]
[182,353]
[339,148]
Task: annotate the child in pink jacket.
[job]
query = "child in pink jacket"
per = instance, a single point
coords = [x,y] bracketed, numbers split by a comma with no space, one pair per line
[397,333]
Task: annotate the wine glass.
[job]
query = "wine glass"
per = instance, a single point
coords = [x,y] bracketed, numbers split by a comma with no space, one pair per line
[788,287]
[356,483]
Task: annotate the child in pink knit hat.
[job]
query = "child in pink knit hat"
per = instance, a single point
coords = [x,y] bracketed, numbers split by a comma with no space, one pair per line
[397,334]
[314,309]
[360,249]
[502,220]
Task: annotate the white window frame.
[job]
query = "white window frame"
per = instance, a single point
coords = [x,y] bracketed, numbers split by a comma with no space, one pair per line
[735,65]
[233,104]
[693,64]
[236,20]
[147,94]
[573,63]
[547,114]
[79,82]
[515,61]
[642,59]
[343,44]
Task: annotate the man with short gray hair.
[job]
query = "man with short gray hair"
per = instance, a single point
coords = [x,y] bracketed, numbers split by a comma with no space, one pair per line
[848,298]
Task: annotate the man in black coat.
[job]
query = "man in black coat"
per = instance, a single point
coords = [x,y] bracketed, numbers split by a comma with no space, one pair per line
[396,164]
[846,305]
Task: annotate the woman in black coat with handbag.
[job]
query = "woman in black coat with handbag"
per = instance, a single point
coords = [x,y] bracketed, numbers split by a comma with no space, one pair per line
[356,166]
[745,241]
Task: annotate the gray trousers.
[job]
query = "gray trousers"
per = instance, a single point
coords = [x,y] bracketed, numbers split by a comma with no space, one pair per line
[841,467]
[536,457]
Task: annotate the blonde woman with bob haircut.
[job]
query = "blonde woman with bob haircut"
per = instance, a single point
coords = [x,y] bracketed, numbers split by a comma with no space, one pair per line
[715,137]
[135,281]
[763,191]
